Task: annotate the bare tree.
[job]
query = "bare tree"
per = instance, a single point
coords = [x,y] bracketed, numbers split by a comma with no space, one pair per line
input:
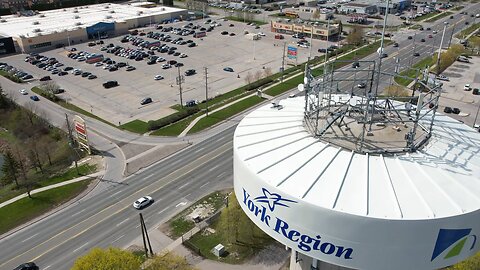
[316,14]
[356,35]
[34,155]
[258,75]
[30,111]
[50,87]
[267,71]
[249,78]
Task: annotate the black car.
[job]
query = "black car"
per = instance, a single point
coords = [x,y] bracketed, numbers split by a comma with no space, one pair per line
[395,44]
[27,266]
[121,64]
[355,65]
[146,101]
[151,62]
[416,54]
[322,50]
[68,68]
[62,73]
[172,62]
[475,91]
[190,72]
[179,65]
[456,110]
[85,74]
[224,33]
[447,110]
[110,84]
[410,37]
[192,44]
[422,40]
[45,78]
[114,68]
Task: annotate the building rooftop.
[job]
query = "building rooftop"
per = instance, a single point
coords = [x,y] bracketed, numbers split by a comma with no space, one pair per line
[47,22]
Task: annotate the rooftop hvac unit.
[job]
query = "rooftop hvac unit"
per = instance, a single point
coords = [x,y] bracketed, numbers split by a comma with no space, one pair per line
[3,20]
[76,17]
[106,7]
[162,9]
[35,23]
[78,23]
[42,15]
[140,12]
[112,11]
[37,30]
[108,17]
[75,11]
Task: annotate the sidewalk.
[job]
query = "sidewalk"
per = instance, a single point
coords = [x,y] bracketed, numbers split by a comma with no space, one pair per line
[90,176]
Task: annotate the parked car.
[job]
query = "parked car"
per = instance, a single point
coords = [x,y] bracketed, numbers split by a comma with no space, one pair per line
[442,78]
[362,85]
[190,72]
[447,110]
[91,77]
[45,78]
[228,69]
[146,101]
[34,98]
[456,110]
[416,54]
[27,266]
[110,84]
[145,200]
[158,77]
[130,68]
[355,65]
[23,92]
[467,87]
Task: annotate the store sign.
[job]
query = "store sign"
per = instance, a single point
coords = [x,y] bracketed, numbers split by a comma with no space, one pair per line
[263,208]
[452,242]
[292,52]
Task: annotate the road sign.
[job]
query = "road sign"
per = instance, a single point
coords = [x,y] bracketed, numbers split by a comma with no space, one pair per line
[81,132]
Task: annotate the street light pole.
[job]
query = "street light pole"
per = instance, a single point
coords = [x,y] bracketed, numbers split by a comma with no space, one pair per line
[206,90]
[440,49]
[451,36]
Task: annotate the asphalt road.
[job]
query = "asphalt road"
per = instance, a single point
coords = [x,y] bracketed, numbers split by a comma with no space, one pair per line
[108,219]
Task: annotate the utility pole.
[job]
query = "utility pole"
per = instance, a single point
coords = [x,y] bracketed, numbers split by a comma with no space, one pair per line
[283,60]
[206,89]
[180,80]
[70,135]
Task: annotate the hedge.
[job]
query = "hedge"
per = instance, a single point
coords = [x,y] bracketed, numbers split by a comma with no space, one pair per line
[156,124]
[259,83]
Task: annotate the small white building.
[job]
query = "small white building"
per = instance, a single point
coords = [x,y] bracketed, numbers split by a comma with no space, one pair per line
[358,8]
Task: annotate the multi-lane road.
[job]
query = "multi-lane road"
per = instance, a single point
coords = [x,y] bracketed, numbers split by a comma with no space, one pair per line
[108,219]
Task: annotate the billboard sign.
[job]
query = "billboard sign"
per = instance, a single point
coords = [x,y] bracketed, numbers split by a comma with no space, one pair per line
[80,129]
[292,52]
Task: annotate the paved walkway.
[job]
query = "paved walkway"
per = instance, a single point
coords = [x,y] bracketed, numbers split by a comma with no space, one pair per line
[90,176]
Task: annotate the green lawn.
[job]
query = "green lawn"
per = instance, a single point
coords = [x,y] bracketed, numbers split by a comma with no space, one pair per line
[442,15]
[6,193]
[26,209]
[136,126]
[223,114]
[233,229]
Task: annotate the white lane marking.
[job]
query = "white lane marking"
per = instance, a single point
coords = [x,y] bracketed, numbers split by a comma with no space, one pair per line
[138,226]
[218,139]
[213,168]
[181,204]
[199,149]
[150,175]
[118,238]
[123,221]
[204,184]
[188,195]
[29,238]
[184,185]
[163,210]
[47,267]
[220,175]
[78,212]
[75,250]
[116,193]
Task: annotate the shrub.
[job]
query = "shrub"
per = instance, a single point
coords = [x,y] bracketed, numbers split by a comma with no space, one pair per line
[156,124]
[259,83]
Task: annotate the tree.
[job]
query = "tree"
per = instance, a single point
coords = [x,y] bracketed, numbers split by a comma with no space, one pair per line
[474,41]
[249,78]
[168,261]
[355,37]
[258,75]
[111,258]
[10,169]
[267,71]
[50,87]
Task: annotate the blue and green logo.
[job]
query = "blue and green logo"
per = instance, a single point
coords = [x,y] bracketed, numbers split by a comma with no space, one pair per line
[454,240]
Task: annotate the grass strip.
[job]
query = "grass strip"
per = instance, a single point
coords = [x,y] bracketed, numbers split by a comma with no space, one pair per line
[245,20]
[135,126]
[223,114]
[441,15]
[412,72]
[467,31]
[70,174]
[67,105]
[426,16]
[11,77]
[26,209]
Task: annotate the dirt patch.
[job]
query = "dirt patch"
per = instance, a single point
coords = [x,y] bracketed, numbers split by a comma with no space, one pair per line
[272,254]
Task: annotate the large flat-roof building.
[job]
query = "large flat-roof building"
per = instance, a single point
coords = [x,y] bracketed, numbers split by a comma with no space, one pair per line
[319,29]
[363,8]
[44,31]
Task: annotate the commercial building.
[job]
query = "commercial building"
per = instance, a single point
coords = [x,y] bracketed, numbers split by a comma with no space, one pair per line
[315,13]
[6,45]
[43,31]
[320,30]
[395,6]
[362,8]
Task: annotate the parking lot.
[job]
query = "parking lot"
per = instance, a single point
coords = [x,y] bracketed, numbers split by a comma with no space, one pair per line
[455,96]
[215,51]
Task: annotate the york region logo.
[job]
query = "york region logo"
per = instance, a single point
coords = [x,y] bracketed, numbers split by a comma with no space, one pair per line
[453,239]
[272,199]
